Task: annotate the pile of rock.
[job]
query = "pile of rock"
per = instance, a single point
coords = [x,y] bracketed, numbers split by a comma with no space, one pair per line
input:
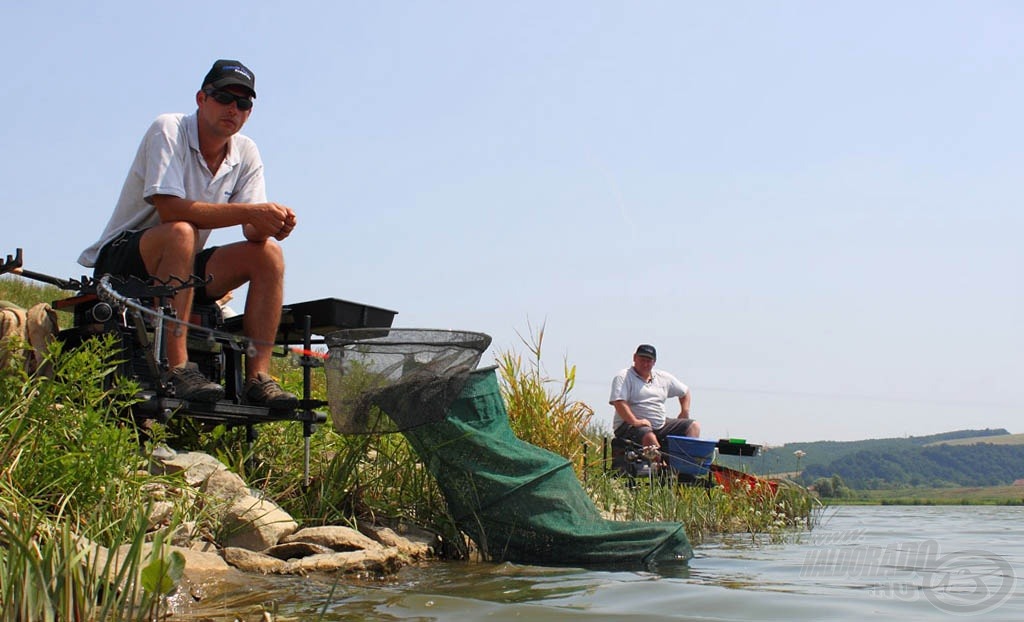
[258,536]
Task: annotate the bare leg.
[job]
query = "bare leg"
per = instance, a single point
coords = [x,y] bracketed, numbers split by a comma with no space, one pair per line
[169,250]
[261,264]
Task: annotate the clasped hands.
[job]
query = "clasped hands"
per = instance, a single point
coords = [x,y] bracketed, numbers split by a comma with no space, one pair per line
[273,220]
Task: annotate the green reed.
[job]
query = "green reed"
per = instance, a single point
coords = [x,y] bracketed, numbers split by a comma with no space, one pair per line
[70,488]
[540,409]
[706,509]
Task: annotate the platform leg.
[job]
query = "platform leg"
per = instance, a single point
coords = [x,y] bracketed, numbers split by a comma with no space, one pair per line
[307,368]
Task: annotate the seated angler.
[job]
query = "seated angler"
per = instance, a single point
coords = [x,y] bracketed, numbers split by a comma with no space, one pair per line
[639,394]
[192,174]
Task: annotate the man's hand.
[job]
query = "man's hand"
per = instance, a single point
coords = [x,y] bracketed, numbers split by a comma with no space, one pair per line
[269,220]
[272,220]
[626,414]
[288,226]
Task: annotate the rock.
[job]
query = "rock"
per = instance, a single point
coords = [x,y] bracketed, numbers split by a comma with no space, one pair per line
[200,568]
[335,538]
[199,564]
[251,561]
[255,524]
[160,514]
[163,452]
[154,490]
[377,561]
[416,544]
[224,485]
[203,546]
[261,537]
[197,466]
[182,535]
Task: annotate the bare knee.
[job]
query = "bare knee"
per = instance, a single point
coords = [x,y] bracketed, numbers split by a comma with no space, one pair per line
[173,241]
[694,429]
[178,233]
[270,259]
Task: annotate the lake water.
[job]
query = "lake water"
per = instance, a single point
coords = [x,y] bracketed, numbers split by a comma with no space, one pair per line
[890,562]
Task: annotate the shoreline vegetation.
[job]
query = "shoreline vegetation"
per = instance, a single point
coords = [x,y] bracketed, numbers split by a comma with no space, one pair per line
[72,470]
[983,495]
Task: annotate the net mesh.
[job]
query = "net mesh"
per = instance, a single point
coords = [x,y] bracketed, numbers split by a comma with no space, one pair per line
[390,380]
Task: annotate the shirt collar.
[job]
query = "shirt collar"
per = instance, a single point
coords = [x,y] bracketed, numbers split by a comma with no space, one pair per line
[633,371]
[192,132]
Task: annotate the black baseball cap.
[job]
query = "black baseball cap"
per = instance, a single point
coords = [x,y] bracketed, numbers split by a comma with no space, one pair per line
[229,72]
[647,350]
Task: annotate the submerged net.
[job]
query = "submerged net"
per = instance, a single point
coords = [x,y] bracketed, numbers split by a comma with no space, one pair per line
[522,503]
[517,501]
[382,380]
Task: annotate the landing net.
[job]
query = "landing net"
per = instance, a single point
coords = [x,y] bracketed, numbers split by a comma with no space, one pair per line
[383,380]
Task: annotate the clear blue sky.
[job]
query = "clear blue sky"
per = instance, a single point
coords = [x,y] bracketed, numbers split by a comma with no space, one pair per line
[812,209]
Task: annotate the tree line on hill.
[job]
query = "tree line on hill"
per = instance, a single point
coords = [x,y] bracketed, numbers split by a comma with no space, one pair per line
[894,462]
[982,464]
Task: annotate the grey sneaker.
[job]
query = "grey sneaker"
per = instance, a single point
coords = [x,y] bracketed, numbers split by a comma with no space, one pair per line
[264,391]
[190,384]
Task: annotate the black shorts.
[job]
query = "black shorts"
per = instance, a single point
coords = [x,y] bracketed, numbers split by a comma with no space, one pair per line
[672,427]
[121,257]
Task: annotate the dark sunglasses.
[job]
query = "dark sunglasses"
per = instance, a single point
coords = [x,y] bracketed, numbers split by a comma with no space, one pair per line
[226,98]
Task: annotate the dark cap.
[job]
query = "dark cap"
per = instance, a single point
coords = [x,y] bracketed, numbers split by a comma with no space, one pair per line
[647,350]
[229,72]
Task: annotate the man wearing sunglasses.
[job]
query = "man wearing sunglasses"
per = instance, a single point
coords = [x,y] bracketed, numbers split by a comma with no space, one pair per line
[192,174]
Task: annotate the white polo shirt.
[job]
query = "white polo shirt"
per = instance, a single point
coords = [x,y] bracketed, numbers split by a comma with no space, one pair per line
[169,162]
[645,399]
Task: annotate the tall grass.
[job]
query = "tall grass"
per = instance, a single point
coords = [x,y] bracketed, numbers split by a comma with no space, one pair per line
[540,409]
[70,488]
[705,510]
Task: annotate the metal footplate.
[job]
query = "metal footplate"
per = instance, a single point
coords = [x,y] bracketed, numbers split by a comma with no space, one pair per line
[163,409]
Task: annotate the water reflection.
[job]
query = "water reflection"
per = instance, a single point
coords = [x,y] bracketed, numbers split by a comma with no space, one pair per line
[839,572]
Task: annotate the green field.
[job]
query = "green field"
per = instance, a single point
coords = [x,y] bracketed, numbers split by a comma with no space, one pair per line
[984,495]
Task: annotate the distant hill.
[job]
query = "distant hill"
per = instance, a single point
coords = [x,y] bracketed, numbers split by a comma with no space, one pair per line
[782,459]
[984,464]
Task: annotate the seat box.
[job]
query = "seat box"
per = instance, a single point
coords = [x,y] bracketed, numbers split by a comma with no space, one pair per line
[326,315]
[691,456]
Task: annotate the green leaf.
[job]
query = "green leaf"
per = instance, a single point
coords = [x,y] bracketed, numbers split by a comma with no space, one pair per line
[162,575]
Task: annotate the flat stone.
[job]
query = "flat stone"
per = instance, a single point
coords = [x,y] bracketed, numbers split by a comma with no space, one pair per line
[252,561]
[336,538]
[378,561]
